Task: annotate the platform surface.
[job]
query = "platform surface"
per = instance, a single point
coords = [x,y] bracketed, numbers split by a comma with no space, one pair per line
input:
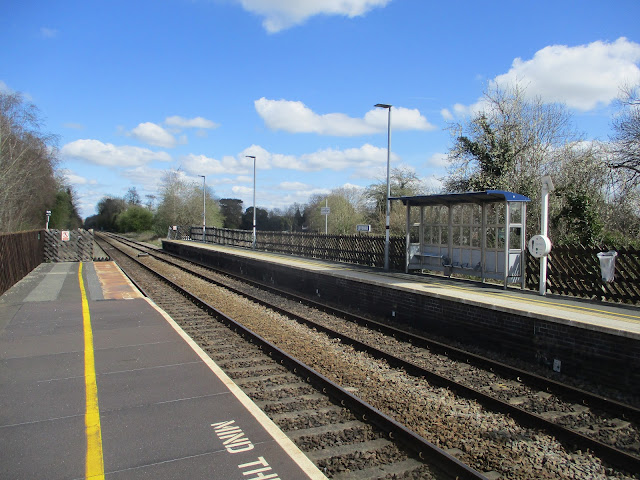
[165,409]
[599,316]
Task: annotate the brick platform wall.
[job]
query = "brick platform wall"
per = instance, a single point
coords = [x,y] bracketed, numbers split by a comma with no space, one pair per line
[604,358]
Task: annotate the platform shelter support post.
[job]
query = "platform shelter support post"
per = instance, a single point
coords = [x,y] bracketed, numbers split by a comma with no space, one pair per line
[507,244]
[408,239]
[483,245]
[523,247]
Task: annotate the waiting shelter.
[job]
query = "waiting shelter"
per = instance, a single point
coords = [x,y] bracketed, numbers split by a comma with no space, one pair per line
[481,234]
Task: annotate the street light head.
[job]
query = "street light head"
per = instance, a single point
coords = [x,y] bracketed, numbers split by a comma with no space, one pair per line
[250,156]
[382,105]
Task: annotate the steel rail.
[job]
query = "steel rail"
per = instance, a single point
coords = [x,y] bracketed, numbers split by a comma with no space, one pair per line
[544,383]
[610,454]
[395,431]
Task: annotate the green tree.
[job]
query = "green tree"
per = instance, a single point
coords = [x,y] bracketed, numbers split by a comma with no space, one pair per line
[262,219]
[231,211]
[578,220]
[64,213]
[135,218]
[108,210]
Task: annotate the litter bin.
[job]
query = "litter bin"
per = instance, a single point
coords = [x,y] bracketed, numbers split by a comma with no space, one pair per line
[607,265]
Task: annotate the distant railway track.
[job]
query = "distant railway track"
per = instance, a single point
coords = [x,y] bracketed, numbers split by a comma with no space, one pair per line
[535,402]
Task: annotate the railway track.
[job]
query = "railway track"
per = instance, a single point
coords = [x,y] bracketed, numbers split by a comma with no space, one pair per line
[346,438]
[495,386]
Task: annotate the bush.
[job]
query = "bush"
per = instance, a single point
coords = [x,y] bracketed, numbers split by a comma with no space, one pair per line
[134,219]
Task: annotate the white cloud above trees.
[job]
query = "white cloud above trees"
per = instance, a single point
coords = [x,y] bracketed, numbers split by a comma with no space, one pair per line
[107,154]
[583,77]
[296,117]
[159,136]
[153,134]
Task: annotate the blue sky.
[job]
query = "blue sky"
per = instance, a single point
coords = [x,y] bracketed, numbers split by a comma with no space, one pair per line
[134,88]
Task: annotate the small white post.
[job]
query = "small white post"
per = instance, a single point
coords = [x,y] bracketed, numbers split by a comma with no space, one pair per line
[547,186]
[326,217]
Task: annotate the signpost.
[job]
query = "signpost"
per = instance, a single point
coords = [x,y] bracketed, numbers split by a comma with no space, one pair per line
[363,228]
[325,211]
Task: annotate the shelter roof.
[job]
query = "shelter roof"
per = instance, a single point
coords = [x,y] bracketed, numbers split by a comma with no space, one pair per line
[487,196]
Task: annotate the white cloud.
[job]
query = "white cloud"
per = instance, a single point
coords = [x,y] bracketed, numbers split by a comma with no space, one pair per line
[197,122]
[446,114]
[281,14]
[293,186]
[362,160]
[153,134]
[73,179]
[438,160]
[203,165]
[146,177]
[96,152]
[583,77]
[296,117]
[241,191]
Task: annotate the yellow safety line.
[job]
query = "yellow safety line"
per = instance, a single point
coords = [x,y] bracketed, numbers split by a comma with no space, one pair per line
[95,465]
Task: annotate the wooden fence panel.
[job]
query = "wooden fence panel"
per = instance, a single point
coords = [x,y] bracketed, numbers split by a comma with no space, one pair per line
[575,271]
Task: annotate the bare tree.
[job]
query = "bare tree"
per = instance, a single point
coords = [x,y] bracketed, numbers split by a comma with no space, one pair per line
[343,217]
[181,204]
[402,182]
[508,144]
[625,140]
[27,165]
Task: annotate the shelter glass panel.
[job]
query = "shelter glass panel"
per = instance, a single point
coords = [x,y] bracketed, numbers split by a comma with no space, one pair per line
[515,238]
[456,235]
[476,237]
[515,210]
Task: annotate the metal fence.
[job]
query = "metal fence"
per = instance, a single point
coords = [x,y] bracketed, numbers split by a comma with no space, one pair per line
[68,246]
[19,254]
[361,249]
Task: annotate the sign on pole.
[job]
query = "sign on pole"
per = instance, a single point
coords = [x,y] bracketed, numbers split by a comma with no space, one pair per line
[363,228]
[325,210]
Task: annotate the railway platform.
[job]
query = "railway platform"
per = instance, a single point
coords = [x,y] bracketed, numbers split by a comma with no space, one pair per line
[593,340]
[97,382]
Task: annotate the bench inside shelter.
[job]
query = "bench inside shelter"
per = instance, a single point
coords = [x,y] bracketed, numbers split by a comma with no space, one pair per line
[481,234]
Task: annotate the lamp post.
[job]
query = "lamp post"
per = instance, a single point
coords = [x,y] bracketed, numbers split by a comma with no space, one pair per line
[204,209]
[253,238]
[388,202]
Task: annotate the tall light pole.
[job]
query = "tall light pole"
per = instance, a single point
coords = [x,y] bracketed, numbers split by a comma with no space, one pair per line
[204,208]
[388,202]
[253,241]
